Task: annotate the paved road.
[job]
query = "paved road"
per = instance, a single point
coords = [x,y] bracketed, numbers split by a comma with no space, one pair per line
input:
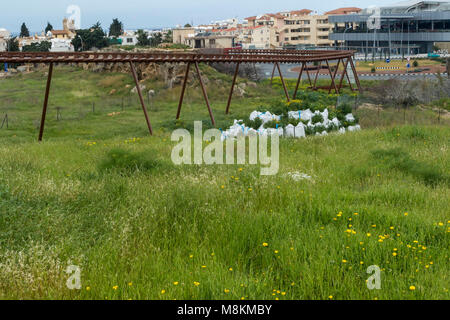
[288,74]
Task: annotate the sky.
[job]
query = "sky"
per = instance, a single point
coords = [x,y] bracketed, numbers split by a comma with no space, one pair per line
[150,14]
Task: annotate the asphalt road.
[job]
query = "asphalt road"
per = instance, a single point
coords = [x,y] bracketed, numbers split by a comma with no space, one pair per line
[288,74]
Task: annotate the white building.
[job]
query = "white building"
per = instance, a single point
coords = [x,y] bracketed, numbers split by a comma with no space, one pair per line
[129,38]
[61,45]
[4,37]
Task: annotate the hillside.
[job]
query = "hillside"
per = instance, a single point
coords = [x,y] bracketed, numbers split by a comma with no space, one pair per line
[101,194]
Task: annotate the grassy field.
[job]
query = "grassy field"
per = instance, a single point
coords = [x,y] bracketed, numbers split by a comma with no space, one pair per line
[363,66]
[99,193]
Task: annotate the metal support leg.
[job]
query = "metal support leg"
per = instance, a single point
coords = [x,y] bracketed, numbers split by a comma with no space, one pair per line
[183,90]
[284,84]
[232,88]
[348,78]
[273,73]
[343,74]
[205,95]
[335,74]
[317,75]
[356,74]
[307,73]
[298,81]
[138,88]
[332,78]
[44,109]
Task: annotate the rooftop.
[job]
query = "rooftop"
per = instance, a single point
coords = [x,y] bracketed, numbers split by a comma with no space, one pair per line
[413,6]
[347,10]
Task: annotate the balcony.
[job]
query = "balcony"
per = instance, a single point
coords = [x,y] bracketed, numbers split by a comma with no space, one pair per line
[428,36]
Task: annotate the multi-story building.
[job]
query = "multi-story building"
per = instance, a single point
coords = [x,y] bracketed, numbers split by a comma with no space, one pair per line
[299,28]
[408,27]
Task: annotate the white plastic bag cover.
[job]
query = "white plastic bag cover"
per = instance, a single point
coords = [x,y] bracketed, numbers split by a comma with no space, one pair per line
[300,131]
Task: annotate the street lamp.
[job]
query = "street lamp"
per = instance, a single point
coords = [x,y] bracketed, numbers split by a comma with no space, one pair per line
[344,35]
[82,42]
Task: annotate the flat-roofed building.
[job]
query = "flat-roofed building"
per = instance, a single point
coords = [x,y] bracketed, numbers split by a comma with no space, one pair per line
[295,28]
[408,27]
[4,37]
[210,40]
[184,36]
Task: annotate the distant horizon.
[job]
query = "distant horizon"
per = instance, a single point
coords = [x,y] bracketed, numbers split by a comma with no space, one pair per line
[139,14]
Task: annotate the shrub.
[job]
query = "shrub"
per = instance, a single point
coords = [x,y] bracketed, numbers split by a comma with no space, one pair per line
[400,160]
[332,127]
[332,114]
[309,130]
[272,124]
[285,121]
[255,124]
[415,64]
[319,129]
[305,105]
[344,108]
[373,70]
[318,118]
[280,108]
[127,162]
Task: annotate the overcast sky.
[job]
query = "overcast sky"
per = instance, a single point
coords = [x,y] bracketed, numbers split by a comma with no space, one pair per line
[155,14]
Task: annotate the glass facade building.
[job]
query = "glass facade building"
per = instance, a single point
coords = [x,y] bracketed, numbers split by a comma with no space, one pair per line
[409,27]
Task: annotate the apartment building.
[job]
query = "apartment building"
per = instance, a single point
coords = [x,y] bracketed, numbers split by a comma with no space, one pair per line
[295,28]
[258,37]
[298,28]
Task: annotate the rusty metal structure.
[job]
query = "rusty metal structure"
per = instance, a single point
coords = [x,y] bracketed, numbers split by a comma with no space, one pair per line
[310,60]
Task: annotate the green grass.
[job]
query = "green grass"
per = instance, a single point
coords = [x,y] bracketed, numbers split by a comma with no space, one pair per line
[101,194]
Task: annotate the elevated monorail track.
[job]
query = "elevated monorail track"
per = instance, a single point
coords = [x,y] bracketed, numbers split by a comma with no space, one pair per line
[318,58]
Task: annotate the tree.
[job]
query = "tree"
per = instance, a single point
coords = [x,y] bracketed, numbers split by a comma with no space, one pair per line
[44,46]
[86,39]
[24,31]
[116,28]
[142,38]
[48,28]
[156,39]
[187,25]
[13,45]
[168,38]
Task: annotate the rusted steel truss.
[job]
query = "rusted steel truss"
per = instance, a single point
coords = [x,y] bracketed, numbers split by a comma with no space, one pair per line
[233,56]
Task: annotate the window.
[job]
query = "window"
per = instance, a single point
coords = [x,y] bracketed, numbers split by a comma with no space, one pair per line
[301,30]
[212,41]
[129,40]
